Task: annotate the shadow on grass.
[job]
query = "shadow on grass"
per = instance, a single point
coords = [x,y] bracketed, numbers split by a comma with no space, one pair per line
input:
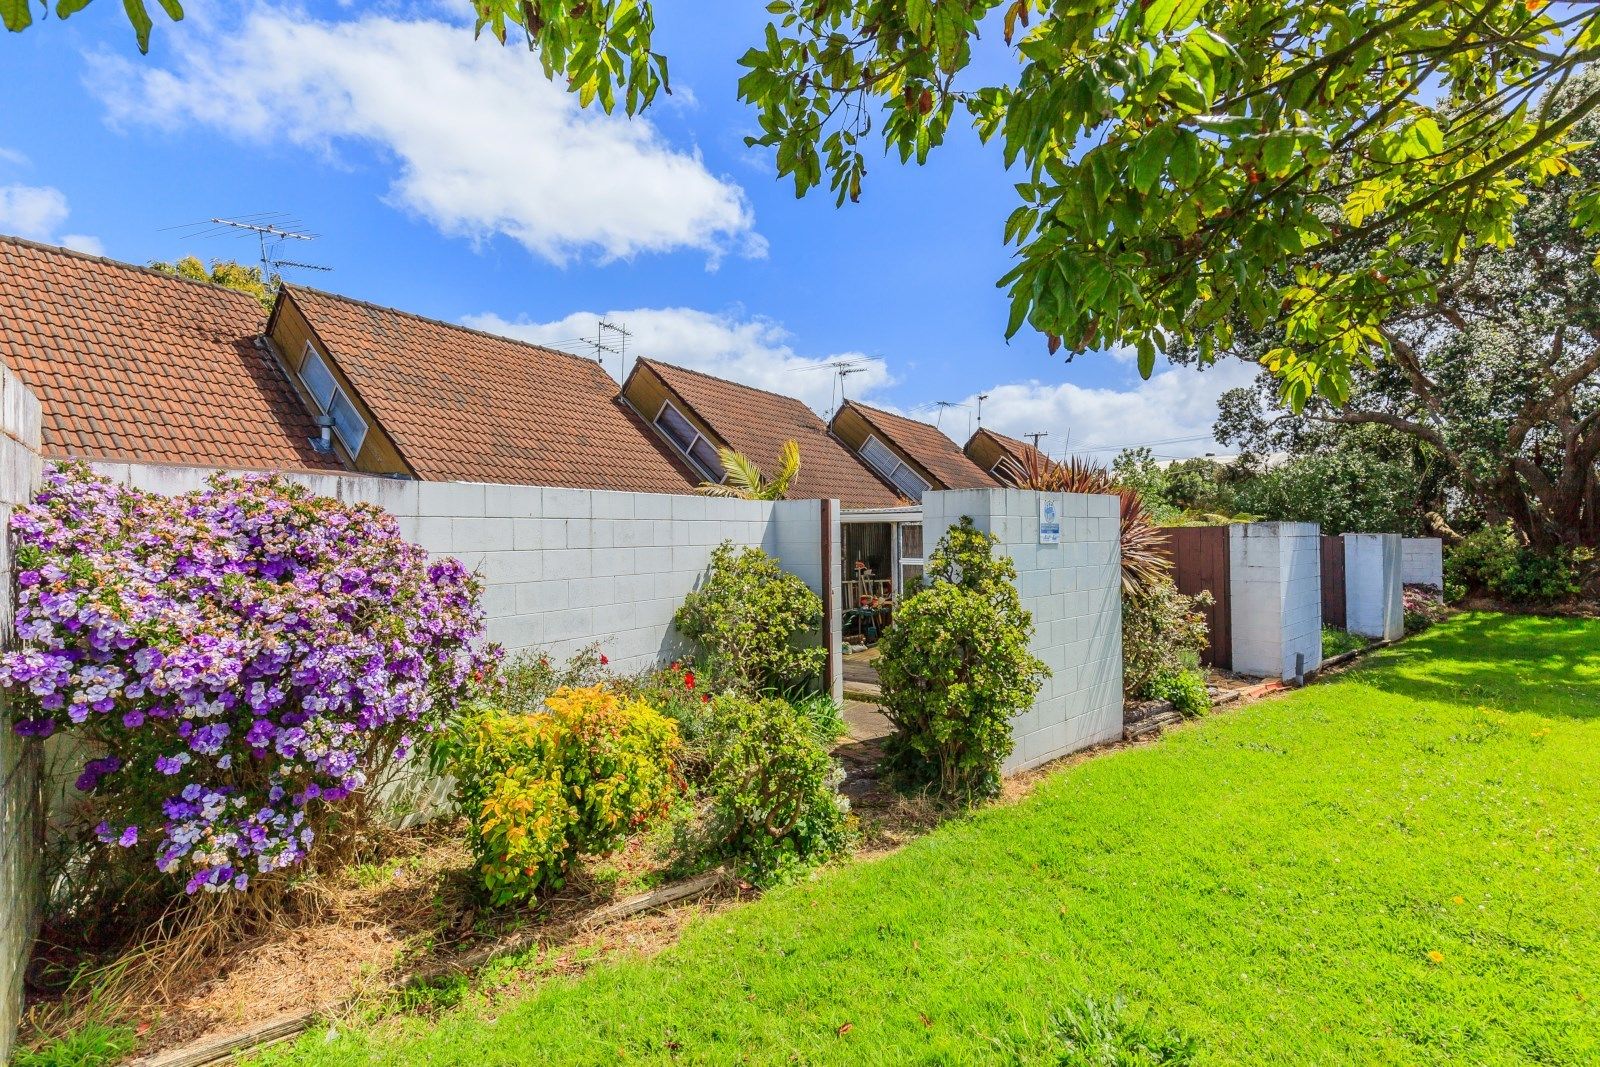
[1516,663]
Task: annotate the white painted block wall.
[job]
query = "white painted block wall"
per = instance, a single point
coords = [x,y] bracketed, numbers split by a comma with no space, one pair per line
[1422,561]
[1074,591]
[567,568]
[21,760]
[1275,588]
[1374,598]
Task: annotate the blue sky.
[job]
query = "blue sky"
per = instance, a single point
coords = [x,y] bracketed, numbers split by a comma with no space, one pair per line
[447,177]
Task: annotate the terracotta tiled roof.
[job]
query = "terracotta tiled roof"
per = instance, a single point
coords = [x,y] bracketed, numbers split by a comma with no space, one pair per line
[128,363]
[1017,450]
[928,446]
[462,405]
[756,423]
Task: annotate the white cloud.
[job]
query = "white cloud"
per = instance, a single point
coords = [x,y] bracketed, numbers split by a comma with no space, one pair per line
[1172,412]
[484,143]
[37,213]
[83,242]
[32,211]
[754,351]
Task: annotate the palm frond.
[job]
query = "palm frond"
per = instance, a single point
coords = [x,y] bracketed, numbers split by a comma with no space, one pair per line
[744,480]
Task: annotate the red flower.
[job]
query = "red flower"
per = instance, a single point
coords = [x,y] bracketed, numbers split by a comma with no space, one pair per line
[688,679]
[705,698]
[676,665]
[603,659]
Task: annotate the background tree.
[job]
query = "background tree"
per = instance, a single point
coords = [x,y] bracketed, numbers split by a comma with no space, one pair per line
[228,273]
[1492,394]
[1178,160]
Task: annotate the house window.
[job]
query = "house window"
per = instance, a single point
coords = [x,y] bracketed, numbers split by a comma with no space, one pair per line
[348,424]
[886,463]
[910,554]
[690,441]
[317,377]
[1007,470]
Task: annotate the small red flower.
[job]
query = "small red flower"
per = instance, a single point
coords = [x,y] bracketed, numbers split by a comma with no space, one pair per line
[688,679]
[676,665]
[603,659]
[705,698]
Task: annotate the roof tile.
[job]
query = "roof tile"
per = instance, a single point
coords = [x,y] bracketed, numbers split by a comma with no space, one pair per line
[929,446]
[129,363]
[463,405]
[756,423]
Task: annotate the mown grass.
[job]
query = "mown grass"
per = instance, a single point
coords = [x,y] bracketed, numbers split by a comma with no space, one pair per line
[1401,864]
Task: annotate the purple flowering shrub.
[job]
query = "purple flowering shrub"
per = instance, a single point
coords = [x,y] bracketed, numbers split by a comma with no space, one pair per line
[240,660]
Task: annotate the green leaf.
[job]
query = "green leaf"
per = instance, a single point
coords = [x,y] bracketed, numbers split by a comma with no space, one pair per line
[141,22]
[16,14]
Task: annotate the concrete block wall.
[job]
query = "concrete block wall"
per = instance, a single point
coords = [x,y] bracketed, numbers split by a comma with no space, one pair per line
[21,798]
[1422,561]
[1374,597]
[1275,588]
[1074,591]
[566,568]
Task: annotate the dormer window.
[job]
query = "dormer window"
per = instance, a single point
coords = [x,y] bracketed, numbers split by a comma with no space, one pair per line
[900,475]
[700,453]
[332,401]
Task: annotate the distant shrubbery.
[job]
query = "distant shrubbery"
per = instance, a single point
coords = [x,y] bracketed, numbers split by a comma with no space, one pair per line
[1492,560]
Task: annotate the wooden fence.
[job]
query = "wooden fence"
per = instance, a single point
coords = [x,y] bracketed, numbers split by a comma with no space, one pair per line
[1333,595]
[1199,556]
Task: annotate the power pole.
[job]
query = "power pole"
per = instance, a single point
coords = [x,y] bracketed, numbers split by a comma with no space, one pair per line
[1037,436]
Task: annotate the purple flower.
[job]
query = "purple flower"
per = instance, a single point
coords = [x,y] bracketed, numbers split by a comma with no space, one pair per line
[273,646]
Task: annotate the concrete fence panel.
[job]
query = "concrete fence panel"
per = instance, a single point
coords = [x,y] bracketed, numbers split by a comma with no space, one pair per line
[1073,588]
[1275,575]
[1374,595]
[21,797]
[1422,561]
[567,568]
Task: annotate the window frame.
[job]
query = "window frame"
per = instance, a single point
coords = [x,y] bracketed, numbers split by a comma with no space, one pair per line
[900,466]
[351,440]
[687,451]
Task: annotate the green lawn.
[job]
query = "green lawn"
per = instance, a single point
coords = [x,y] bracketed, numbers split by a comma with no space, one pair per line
[1401,865]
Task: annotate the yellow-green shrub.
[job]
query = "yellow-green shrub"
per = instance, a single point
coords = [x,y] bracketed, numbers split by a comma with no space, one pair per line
[540,790]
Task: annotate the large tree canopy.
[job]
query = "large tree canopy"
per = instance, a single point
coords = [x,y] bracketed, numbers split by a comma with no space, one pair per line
[1494,377]
[1177,160]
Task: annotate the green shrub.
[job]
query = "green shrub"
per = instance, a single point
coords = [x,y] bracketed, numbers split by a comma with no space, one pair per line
[523,683]
[955,668]
[1186,690]
[756,621]
[1163,634]
[774,802]
[540,790]
[1336,642]
[1492,560]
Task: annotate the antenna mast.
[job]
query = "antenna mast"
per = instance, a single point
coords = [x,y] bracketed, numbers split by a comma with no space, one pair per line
[617,345]
[266,232]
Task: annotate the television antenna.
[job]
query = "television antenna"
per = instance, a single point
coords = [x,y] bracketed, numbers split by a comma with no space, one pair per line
[270,229]
[613,338]
[843,371]
[981,398]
